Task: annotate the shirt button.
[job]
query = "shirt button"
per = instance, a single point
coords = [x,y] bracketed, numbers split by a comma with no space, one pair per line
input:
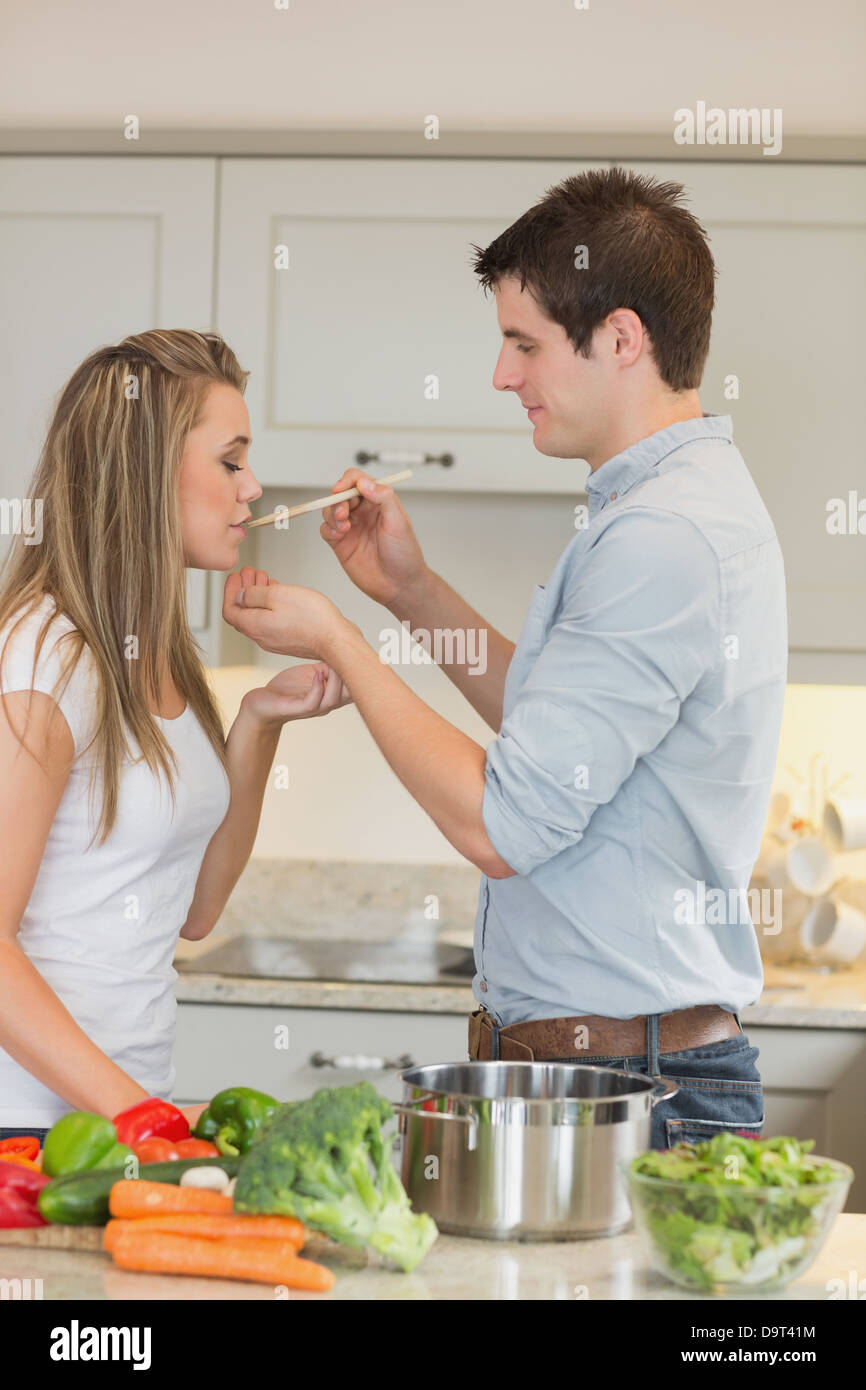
[613,497]
[483,985]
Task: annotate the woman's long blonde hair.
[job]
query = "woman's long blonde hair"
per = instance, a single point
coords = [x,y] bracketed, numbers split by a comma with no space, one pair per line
[111,554]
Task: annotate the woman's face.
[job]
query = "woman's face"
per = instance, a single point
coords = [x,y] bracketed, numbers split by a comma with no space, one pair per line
[216,484]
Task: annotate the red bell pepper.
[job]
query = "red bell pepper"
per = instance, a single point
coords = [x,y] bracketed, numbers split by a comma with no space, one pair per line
[27,1145]
[19,1189]
[16,1213]
[150,1119]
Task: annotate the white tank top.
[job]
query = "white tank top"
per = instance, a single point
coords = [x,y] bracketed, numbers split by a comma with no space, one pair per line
[102,924]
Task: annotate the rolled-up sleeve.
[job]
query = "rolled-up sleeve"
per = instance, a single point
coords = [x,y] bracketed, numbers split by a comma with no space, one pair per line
[638,625]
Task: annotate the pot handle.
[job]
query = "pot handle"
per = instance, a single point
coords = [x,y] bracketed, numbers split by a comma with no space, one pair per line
[663,1091]
[471,1120]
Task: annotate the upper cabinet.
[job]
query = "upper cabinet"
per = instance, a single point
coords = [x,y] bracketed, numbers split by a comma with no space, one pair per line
[346,288]
[786,363]
[93,250]
[96,249]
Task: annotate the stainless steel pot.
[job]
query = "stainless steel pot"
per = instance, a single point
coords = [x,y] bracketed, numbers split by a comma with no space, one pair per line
[523,1150]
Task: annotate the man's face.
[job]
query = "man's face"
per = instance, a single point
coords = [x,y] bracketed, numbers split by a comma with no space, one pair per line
[565,394]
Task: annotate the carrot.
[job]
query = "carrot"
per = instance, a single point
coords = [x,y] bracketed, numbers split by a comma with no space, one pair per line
[263,1261]
[138,1197]
[219,1227]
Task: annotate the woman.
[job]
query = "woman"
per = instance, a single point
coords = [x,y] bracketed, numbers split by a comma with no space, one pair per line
[126,817]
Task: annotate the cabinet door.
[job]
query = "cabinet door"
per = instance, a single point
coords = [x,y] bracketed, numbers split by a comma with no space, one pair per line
[813,1088]
[377,310]
[789,244]
[94,249]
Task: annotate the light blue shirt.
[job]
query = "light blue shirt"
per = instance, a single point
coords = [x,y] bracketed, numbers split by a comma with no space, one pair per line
[633,766]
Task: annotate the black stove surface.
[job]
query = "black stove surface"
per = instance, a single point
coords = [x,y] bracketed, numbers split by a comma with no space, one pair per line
[407,962]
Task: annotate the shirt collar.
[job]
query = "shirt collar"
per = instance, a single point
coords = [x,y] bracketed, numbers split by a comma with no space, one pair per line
[616,475]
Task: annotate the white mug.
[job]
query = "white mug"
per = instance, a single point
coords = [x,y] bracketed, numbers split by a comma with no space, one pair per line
[834,931]
[807,865]
[845,823]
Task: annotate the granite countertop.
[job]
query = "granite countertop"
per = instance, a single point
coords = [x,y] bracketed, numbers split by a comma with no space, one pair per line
[366,902]
[458,1269]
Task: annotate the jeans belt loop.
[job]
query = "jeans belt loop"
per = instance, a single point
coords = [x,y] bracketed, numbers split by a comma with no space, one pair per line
[653,1064]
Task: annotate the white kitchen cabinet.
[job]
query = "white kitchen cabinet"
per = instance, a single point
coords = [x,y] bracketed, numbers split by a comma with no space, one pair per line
[378,296]
[790,244]
[813,1077]
[813,1088]
[94,249]
[377,308]
[221,1045]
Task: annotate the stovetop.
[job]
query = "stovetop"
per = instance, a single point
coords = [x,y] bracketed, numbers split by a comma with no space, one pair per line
[401,962]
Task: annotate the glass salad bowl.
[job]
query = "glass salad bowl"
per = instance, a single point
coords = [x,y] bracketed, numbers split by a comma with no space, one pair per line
[735,1215]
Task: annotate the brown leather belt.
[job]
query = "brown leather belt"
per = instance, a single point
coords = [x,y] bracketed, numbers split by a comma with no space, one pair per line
[590,1035]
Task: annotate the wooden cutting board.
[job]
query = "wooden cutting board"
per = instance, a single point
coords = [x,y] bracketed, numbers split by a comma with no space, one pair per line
[55,1237]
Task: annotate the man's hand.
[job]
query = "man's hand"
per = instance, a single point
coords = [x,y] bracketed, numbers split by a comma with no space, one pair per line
[281,617]
[373,540]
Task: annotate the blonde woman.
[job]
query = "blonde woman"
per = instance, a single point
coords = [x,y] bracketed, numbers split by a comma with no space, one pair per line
[126,816]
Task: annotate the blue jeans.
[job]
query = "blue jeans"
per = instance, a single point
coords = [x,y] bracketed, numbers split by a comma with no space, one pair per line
[17,1133]
[719,1087]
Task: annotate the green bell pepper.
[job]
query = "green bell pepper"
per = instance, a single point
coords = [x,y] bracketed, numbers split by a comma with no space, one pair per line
[233,1119]
[82,1141]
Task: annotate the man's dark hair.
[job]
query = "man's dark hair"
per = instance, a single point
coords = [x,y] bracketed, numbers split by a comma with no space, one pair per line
[644,252]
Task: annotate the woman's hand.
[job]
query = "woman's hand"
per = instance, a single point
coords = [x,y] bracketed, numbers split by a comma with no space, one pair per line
[300,692]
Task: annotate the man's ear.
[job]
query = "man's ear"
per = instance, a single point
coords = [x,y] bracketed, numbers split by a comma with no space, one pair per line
[630,334]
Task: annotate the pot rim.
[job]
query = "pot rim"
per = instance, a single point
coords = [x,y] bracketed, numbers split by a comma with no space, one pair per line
[649,1085]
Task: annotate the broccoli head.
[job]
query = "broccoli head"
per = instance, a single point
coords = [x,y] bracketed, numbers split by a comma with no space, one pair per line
[326,1161]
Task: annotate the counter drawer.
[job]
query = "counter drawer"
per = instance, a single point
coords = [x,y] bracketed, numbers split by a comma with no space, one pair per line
[271,1048]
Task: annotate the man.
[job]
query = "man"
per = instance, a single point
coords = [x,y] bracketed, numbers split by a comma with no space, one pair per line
[637,719]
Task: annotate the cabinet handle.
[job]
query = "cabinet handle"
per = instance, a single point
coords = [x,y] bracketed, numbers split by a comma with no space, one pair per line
[362,458]
[361,1063]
